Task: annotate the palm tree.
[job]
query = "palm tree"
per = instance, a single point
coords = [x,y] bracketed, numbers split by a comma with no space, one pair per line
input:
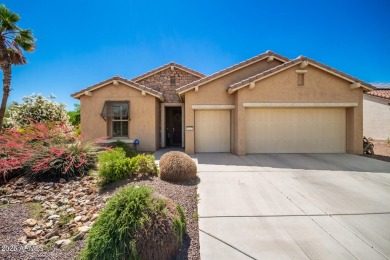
[13,41]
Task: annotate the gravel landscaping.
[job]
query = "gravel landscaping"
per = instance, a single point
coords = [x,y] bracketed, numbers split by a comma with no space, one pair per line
[381,150]
[52,235]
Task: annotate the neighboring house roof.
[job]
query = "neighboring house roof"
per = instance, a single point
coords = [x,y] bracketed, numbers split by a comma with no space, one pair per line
[246,82]
[381,85]
[124,81]
[382,93]
[228,70]
[166,66]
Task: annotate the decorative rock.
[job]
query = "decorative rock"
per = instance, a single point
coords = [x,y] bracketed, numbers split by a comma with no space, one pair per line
[32,243]
[62,242]
[30,234]
[69,210]
[64,201]
[94,216]
[49,224]
[50,212]
[83,229]
[53,206]
[78,197]
[52,234]
[85,219]
[65,236]
[30,222]
[28,200]
[78,218]
[35,228]
[22,240]
[53,238]
[54,217]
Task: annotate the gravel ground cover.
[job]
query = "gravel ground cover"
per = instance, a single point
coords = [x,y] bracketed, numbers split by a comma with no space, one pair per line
[381,150]
[13,227]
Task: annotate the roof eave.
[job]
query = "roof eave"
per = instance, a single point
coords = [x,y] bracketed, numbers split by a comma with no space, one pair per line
[238,66]
[295,62]
[134,85]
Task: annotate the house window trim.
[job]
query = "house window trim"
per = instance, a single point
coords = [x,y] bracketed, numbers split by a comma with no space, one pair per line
[108,116]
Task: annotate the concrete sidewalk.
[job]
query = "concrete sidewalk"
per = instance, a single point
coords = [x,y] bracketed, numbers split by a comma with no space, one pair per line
[299,206]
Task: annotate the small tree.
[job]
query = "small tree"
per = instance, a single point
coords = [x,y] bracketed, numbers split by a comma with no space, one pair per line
[13,41]
[38,109]
[74,116]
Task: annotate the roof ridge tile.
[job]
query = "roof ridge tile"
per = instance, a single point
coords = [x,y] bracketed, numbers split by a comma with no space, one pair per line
[165,66]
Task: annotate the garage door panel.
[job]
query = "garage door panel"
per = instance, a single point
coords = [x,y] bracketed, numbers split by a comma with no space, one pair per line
[316,130]
[212,131]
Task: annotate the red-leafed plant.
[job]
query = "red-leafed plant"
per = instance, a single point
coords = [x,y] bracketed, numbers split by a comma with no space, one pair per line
[40,150]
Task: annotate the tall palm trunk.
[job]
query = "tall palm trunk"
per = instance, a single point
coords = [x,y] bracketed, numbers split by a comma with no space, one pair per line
[5,65]
[6,91]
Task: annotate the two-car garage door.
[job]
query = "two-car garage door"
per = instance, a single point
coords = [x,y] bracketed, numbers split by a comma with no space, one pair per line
[275,130]
[295,130]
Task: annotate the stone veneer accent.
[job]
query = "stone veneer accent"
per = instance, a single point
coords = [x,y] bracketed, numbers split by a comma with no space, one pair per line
[161,81]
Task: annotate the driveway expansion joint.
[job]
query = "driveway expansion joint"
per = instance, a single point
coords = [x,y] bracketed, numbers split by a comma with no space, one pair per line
[297,215]
[226,243]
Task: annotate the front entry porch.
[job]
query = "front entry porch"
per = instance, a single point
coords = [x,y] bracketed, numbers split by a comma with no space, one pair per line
[172,124]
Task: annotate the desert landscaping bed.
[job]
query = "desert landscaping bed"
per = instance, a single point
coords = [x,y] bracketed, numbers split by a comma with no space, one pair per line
[381,150]
[50,234]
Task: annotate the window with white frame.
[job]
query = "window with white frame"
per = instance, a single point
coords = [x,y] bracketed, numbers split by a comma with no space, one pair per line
[116,113]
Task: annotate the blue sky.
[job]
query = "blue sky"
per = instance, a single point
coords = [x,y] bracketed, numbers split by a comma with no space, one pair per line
[80,43]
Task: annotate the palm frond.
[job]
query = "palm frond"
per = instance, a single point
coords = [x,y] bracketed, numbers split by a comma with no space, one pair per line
[16,56]
[8,19]
[14,39]
[25,40]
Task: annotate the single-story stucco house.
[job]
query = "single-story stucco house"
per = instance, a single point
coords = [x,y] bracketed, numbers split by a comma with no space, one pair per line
[266,104]
[376,112]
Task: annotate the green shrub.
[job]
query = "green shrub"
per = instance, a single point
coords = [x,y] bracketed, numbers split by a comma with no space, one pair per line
[126,147]
[136,223]
[144,163]
[180,225]
[113,165]
[177,166]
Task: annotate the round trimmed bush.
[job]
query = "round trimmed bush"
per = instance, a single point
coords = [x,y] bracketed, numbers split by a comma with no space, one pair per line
[136,223]
[177,166]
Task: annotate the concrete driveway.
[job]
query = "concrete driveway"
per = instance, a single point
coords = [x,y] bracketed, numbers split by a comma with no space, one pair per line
[300,206]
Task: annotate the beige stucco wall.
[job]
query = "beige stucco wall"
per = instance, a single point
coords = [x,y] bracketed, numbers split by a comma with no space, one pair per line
[143,114]
[376,119]
[320,87]
[214,93]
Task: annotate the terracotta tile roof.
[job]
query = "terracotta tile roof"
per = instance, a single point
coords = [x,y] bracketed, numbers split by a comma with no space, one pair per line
[124,81]
[166,66]
[291,63]
[230,69]
[382,93]
[247,81]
